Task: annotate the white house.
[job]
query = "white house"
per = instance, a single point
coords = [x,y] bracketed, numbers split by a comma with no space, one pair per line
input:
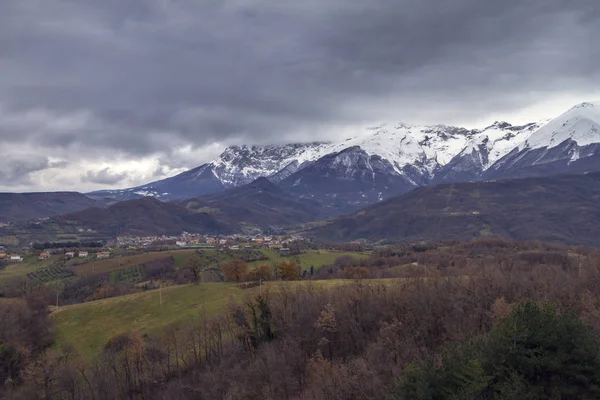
[83,254]
[16,258]
[70,254]
[103,254]
[181,243]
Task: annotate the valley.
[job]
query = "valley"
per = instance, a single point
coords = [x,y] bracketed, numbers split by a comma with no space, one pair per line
[328,255]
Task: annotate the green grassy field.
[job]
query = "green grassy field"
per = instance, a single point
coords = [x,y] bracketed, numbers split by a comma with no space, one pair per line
[88,326]
[316,258]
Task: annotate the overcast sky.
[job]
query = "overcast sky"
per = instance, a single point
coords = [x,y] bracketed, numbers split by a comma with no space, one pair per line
[114,93]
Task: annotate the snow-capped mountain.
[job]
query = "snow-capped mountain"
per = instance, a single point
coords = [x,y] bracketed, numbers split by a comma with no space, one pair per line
[412,152]
[378,162]
[348,179]
[568,143]
[483,149]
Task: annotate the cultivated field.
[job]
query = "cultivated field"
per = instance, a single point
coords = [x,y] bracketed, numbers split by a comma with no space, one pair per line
[21,269]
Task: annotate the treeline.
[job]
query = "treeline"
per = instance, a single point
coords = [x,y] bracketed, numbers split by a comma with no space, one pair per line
[60,245]
[452,258]
[524,324]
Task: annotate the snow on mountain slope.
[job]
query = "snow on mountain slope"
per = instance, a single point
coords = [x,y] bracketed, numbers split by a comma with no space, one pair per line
[569,143]
[501,137]
[239,165]
[580,124]
[424,147]
[427,147]
[417,155]
[484,148]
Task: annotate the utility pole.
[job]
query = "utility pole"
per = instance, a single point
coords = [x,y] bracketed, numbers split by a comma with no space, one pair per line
[260,285]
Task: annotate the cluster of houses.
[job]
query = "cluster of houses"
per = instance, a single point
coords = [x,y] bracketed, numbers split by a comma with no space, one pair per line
[44,255]
[11,257]
[238,242]
[194,240]
[72,254]
[185,240]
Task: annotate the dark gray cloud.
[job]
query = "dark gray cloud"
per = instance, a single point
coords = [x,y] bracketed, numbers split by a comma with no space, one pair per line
[131,79]
[16,170]
[104,176]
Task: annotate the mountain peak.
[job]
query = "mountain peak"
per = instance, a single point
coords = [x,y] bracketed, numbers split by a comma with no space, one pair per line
[499,125]
[580,124]
[583,105]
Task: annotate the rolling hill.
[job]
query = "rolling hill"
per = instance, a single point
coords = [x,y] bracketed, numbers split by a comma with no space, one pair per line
[260,203]
[25,206]
[145,216]
[561,208]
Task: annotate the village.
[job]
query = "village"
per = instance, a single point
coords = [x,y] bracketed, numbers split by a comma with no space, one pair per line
[186,240]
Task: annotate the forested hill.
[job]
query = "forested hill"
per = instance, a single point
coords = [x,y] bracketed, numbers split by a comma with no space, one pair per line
[560,208]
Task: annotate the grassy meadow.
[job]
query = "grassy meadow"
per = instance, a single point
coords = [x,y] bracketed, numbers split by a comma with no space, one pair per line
[89,326]
[316,258]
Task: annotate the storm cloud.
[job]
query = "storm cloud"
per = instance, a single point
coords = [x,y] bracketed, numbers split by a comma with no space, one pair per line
[104,176]
[119,90]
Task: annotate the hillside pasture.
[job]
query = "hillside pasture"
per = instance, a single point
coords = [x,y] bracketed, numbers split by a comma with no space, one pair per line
[315,258]
[88,326]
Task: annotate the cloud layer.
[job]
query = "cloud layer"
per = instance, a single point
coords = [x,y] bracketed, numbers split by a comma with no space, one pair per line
[104,93]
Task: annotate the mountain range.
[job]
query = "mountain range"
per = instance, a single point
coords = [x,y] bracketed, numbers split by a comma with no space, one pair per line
[282,186]
[392,159]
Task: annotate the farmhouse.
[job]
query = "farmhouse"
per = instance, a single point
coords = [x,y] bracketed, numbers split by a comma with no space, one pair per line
[103,254]
[83,254]
[70,254]
[16,258]
[43,255]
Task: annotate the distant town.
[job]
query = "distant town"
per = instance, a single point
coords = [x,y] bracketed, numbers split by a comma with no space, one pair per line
[99,250]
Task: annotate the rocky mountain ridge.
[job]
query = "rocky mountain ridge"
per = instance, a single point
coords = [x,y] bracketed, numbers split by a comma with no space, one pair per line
[390,159]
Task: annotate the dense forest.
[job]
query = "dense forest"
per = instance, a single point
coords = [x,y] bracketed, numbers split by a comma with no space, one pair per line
[489,319]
